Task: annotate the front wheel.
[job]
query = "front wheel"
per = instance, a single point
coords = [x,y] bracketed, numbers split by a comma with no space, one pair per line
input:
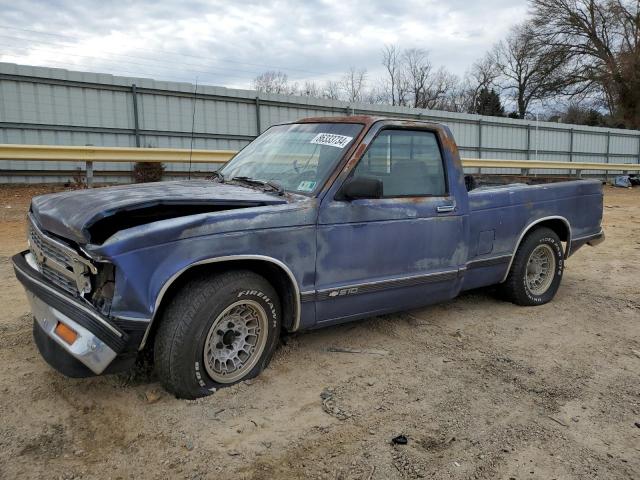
[536,271]
[216,331]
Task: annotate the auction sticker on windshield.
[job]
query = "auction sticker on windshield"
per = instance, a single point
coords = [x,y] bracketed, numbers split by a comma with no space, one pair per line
[332,140]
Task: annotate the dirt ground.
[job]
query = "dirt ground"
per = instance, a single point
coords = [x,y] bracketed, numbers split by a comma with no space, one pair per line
[480,388]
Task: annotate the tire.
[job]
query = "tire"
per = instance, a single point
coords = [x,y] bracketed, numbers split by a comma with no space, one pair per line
[236,315]
[529,282]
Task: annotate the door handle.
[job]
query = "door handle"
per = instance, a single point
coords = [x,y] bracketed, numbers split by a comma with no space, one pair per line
[445,208]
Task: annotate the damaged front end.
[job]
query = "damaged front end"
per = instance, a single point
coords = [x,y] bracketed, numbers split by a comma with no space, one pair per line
[58,262]
[66,268]
[92,216]
[70,297]
[99,260]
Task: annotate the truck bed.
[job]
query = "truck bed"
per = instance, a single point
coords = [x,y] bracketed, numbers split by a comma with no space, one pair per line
[498,215]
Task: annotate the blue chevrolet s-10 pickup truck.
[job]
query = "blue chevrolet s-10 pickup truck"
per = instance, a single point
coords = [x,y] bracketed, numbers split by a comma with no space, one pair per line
[314,223]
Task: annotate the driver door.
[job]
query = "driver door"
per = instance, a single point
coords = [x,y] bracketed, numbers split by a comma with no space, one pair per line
[400,251]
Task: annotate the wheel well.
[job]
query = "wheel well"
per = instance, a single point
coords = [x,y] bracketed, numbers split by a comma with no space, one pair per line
[557,225]
[274,274]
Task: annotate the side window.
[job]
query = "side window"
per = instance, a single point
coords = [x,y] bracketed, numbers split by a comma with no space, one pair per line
[408,163]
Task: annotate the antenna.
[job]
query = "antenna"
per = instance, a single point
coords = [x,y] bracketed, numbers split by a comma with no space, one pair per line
[193,122]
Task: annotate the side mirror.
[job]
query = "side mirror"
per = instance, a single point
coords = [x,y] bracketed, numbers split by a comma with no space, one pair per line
[362,187]
[470,182]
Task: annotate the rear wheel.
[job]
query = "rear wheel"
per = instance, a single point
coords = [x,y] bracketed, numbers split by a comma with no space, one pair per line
[536,271]
[216,331]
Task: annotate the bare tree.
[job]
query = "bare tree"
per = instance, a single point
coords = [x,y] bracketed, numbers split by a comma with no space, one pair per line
[439,90]
[274,82]
[393,84]
[481,77]
[332,90]
[530,70]
[411,80]
[354,83]
[403,88]
[377,94]
[310,89]
[459,98]
[417,69]
[602,38]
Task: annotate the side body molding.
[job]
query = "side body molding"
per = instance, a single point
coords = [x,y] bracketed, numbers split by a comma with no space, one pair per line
[529,227]
[229,258]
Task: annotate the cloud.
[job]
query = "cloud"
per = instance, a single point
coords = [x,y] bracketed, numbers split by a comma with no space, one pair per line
[229,43]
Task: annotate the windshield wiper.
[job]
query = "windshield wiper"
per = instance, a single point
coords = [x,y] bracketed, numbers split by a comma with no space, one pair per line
[216,175]
[275,187]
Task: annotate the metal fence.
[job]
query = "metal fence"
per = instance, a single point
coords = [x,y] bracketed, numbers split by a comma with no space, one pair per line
[47,106]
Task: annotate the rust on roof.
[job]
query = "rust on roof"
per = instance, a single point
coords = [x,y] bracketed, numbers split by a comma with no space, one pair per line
[366,120]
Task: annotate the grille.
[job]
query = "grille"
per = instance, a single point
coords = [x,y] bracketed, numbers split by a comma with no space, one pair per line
[59,280]
[48,249]
[56,264]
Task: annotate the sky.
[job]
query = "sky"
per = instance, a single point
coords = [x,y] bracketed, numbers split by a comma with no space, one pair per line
[230,43]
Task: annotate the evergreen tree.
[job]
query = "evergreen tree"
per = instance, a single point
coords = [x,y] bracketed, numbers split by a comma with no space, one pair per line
[488,103]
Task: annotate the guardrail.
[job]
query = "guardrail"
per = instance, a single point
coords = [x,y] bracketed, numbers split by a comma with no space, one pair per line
[91,154]
[59,153]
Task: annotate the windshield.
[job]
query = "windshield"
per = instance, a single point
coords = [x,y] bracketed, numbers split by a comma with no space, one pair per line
[298,157]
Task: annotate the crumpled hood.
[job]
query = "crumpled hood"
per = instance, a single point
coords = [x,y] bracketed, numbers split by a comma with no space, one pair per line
[71,214]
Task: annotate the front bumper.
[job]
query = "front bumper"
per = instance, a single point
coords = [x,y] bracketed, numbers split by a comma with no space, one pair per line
[98,340]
